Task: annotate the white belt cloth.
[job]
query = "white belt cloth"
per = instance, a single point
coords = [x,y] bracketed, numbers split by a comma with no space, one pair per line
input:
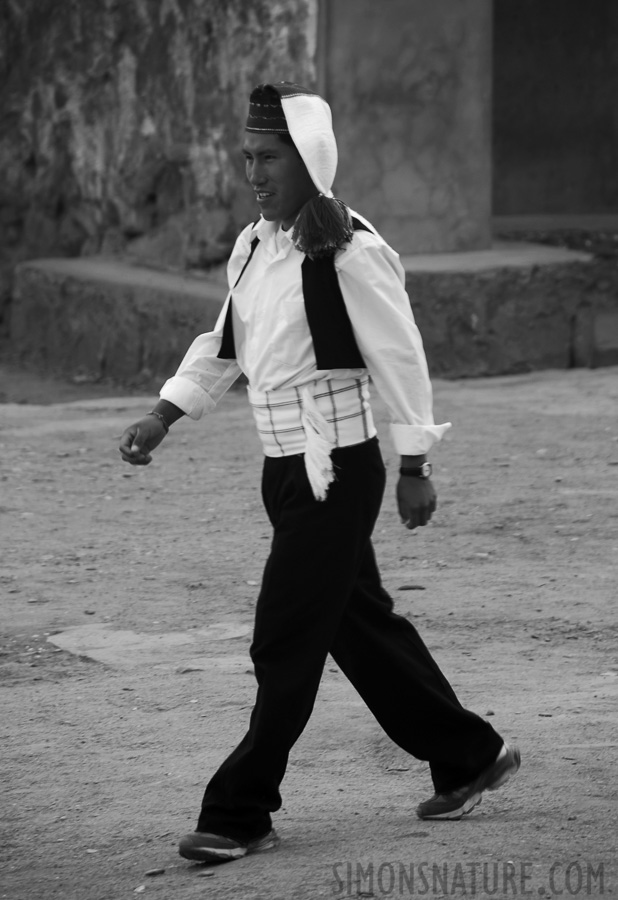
[313,419]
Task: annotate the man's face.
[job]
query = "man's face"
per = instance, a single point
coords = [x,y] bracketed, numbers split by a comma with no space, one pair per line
[278,176]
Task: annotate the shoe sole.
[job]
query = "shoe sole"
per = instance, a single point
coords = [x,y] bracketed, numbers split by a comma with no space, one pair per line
[475,798]
[229,854]
[269,842]
[212,854]
[453,815]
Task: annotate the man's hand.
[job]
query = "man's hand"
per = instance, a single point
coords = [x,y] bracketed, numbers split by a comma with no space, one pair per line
[416,500]
[140,439]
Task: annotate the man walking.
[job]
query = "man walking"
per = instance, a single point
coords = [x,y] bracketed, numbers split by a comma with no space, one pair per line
[317,305]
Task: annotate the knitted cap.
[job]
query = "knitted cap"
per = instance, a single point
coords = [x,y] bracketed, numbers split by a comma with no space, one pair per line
[285,107]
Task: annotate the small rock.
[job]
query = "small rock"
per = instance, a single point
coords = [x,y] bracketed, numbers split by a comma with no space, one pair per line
[140,889]
[252,583]
[490,712]
[155,872]
[90,612]
[37,600]
[411,587]
[206,873]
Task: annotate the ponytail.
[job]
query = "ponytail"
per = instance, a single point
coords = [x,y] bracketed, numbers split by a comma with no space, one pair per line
[322,226]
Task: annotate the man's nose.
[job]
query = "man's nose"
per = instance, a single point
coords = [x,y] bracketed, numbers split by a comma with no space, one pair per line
[255,174]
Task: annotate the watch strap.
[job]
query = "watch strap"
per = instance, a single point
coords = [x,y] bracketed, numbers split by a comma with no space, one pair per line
[423,471]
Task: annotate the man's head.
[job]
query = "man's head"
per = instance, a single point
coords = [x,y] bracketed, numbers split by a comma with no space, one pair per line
[291,157]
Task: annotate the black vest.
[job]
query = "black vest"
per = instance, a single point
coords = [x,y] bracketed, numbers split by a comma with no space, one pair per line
[334,343]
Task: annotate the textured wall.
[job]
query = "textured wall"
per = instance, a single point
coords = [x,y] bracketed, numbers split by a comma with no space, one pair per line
[99,319]
[409,83]
[556,113]
[119,121]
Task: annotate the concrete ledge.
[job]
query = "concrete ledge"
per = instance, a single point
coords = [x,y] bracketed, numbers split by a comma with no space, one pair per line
[556,222]
[502,255]
[97,318]
[511,309]
[516,308]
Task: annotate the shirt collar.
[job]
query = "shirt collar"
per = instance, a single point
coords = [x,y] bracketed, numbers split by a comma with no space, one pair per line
[266,231]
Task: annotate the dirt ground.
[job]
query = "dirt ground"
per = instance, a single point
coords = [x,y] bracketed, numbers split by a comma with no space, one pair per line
[149,576]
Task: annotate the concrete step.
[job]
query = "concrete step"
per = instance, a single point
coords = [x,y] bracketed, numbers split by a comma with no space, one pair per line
[511,309]
[95,319]
[515,308]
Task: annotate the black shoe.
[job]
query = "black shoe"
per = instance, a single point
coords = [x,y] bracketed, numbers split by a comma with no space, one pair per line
[205,847]
[460,802]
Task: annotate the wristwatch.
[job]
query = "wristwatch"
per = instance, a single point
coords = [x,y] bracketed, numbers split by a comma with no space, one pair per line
[423,471]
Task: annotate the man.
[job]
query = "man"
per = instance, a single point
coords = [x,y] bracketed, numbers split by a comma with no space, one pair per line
[317,304]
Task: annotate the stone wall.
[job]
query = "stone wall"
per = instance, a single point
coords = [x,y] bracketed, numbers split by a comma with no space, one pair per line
[509,320]
[119,121]
[501,312]
[96,320]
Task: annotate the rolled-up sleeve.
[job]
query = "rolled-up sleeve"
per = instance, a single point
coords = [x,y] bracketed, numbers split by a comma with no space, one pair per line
[372,282]
[202,378]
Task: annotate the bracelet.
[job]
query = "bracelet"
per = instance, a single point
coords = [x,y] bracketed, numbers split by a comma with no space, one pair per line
[161,419]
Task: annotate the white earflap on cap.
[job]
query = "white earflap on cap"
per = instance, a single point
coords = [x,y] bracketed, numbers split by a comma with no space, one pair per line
[310,125]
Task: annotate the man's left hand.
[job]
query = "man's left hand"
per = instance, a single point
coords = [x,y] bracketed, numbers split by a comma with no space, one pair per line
[416,500]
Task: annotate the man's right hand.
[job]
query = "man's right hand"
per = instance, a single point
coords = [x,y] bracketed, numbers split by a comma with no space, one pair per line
[140,439]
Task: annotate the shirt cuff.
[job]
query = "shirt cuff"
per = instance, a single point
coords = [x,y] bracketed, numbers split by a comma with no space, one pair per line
[188,396]
[413,440]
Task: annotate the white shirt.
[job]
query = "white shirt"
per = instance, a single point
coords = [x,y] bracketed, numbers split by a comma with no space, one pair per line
[273,342]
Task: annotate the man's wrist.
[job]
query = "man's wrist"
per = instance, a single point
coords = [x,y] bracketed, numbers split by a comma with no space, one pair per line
[423,471]
[413,461]
[169,411]
[161,419]
[415,466]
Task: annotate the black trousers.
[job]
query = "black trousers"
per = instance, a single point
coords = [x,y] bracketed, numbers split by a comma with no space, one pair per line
[321,593]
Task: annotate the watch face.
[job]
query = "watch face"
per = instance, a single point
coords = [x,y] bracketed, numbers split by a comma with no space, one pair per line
[426,470]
